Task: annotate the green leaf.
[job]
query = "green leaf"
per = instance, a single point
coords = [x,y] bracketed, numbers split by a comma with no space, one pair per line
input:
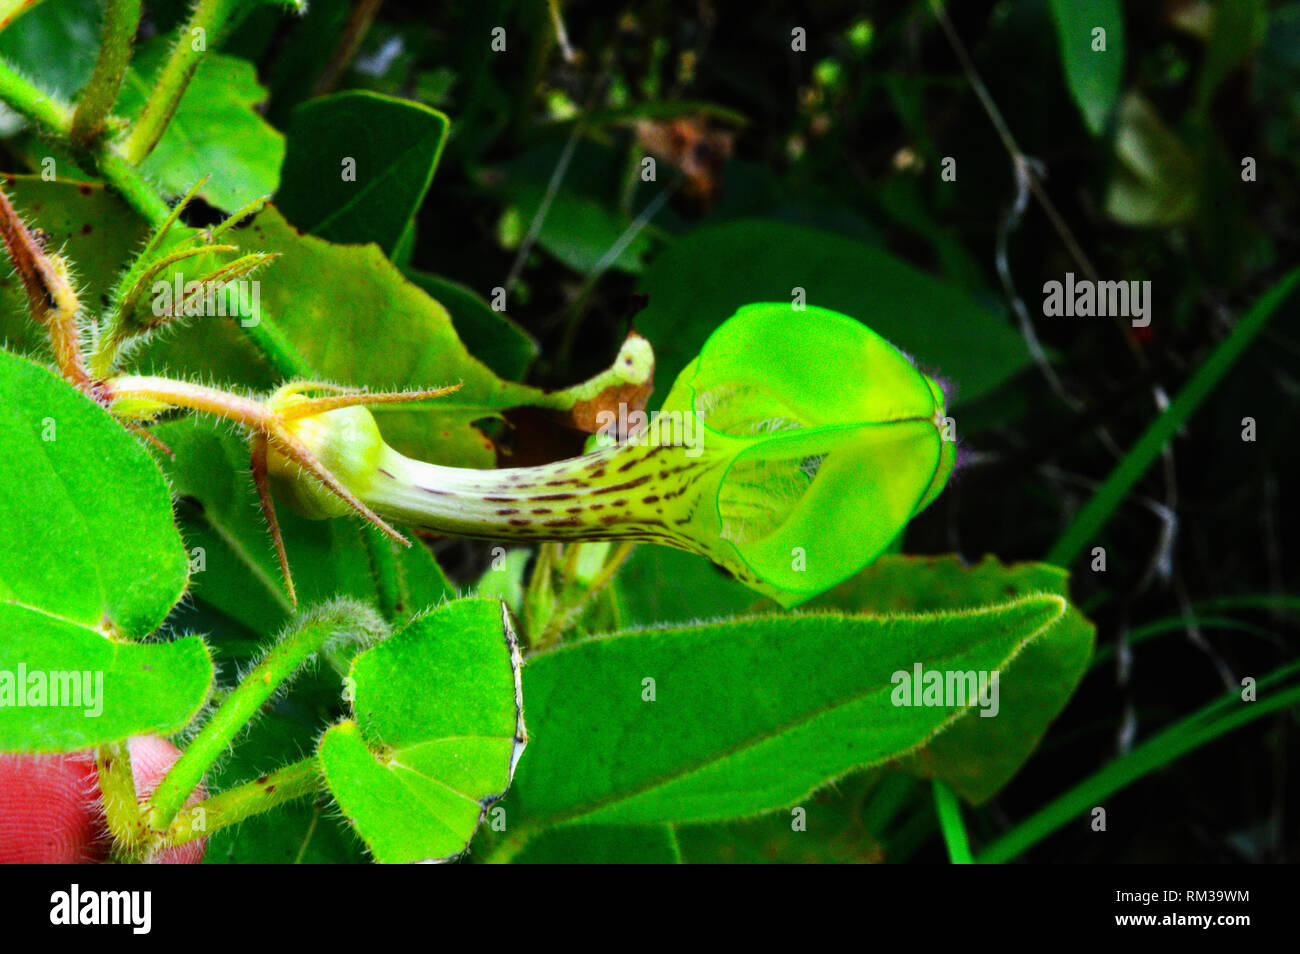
[239,573]
[825,829]
[297,833]
[665,585]
[439,728]
[216,130]
[93,689]
[12,9]
[1237,30]
[393,147]
[489,335]
[299,64]
[1156,175]
[1094,76]
[370,326]
[104,552]
[978,756]
[747,716]
[367,326]
[506,580]
[302,830]
[90,559]
[703,278]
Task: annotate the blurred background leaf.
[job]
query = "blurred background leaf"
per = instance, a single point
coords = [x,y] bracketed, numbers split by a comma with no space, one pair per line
[358,166]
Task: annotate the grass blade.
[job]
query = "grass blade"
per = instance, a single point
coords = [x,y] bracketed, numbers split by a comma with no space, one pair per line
[1129,471]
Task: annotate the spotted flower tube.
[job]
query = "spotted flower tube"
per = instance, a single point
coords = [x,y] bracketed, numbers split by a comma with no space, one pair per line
[791,452]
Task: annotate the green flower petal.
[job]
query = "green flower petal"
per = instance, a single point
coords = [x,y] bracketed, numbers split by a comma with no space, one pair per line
[836,444]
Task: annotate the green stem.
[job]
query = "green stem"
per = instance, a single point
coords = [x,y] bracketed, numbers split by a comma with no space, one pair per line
[358,25]
[286,784]
[210,17]
[950,823]
[884,802]
[35,104]
[121,807]
[121,20]
[301,641]
[1278,602]
[539,597]
[55,118]
[568,615]
[277,349]
[130,185]
[1116,487]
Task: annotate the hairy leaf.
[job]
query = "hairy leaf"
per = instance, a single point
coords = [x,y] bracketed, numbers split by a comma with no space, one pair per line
[90,560]
[216,131]
[743,717]
[438,729]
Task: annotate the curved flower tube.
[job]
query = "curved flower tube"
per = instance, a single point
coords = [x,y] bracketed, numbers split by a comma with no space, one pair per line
[790,452]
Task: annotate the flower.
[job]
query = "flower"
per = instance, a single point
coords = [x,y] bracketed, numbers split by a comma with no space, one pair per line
[791,452]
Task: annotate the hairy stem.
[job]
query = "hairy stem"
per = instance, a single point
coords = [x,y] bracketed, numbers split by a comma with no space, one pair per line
[121,20]
[571,614]
[55,118]
[121,807]
[303,640]
[205,28]
[130,185]
[35,104]
[293,781]
[51,298]
[197,397]
[383,564]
